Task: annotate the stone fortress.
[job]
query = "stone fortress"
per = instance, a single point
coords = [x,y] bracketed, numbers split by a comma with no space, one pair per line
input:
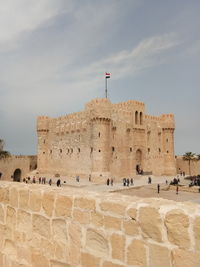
[108,140]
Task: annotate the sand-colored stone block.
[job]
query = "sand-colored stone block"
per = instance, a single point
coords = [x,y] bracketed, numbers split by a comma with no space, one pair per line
[113,207]
[197,232]
[183,258]
[10,248]
[97,242]
[88,260]
[112,222]
[63,206]
[118,246]
[60,249]
[97,219]
[39,260]
[54,263]
[24,221]
[74,255]
[85,203]
[75,234]
[41,225]
[132,213]
[111,264]
[130,227]
[159,256]
[10,217]
[136,253]
[35,200]
[81,216]
[13,197]
[59,230]
[4,195]
[177,224]
[23,198]
[1,259]
[2,213]
[24,254]
[150,223]
[48,202]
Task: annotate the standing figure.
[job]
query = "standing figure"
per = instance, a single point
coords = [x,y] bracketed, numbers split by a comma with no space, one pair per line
[158,188]
[131,181]
[58,182]
[177,189]
[111,181]
[50,182]
[108,181]
[127,181]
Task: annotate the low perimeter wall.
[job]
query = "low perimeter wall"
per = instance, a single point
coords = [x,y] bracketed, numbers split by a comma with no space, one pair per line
[43,226]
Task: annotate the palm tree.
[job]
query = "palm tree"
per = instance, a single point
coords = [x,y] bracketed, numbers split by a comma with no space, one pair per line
[189,156]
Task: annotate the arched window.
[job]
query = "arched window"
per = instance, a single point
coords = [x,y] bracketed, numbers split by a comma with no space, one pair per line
[141,118]
[136,117]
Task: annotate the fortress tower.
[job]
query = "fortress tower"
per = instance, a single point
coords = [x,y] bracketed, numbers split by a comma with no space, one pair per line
[107,140]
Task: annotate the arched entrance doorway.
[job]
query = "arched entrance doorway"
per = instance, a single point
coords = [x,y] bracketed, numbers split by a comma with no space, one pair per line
[17,175]
[138,160]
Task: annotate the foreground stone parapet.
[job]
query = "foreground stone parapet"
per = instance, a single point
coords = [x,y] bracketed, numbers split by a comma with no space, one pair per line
[61,227]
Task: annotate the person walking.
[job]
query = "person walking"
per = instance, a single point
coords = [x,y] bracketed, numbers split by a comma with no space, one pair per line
[50,182]
[108,181]
[58,182]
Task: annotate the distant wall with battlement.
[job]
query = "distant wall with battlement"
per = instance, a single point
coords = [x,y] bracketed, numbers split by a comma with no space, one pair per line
[56,227]
[107,140]
[17,167]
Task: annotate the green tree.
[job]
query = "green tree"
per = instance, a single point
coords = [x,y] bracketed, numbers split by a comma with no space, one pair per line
[189,156]
[3,153]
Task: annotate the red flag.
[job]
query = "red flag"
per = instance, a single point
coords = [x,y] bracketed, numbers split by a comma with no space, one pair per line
[107,75]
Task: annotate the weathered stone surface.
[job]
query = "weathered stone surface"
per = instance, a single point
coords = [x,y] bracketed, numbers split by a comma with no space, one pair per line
[24,254]
[81,216]
[23,198]
[59,229]
[97,219]
[75,234]
[54,263]
[118,246]
[39,260]
[4,195]
[41,225]
[13,196]
[197,232]
[2,214]
[35,200]
[24,221]
[113,207]
[150,223]
[177,224]
[63,206]
[159,256]
[74,255]
[111,264]
[132,213]
[183,258]
[112,222]
[48,202]
[60,249]
[136,253]
[130,227]
[97,242]
[10,248]
[10,217]
[88,260]
[85,203]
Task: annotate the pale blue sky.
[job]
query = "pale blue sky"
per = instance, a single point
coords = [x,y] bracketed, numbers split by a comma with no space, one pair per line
[53,55]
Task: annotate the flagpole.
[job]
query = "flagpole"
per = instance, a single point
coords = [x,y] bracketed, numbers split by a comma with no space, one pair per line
[106,90]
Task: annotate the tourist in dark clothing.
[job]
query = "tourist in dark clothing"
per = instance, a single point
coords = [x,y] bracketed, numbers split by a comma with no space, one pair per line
[58,183]
[108,181]
[158,188]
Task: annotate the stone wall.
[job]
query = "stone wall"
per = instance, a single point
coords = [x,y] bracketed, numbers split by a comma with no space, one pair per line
[24,164]
[55,227]
[183,166]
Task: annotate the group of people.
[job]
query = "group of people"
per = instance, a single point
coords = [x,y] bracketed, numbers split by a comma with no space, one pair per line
[109,181]
[127,181]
